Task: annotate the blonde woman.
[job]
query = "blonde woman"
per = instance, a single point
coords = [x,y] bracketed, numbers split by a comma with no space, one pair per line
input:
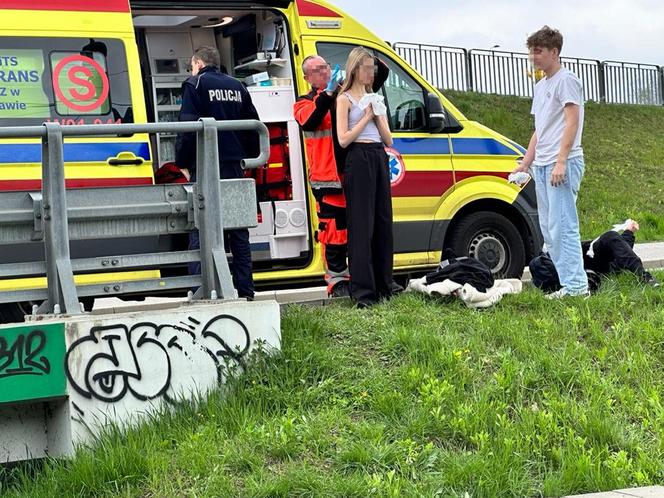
[366,183]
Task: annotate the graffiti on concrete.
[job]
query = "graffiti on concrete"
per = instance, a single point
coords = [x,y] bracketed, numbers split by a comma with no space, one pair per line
[25,355]
[155,361]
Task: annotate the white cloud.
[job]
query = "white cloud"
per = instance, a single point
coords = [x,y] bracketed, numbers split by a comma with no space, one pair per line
[598,29]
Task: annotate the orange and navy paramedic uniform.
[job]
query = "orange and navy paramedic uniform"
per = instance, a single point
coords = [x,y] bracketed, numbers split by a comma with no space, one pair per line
[315,112]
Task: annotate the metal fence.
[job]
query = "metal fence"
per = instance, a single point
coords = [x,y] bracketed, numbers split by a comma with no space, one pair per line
[510,73]
[55,216]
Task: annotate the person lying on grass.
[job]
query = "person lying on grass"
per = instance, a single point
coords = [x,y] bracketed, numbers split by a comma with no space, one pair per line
[610,253]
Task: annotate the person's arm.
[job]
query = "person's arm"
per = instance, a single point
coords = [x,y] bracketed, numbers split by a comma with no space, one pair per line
[629,234]
[569,95]
[384,130]
[185,143]
[310,113]
[571,113]
[346,136]
[529,157]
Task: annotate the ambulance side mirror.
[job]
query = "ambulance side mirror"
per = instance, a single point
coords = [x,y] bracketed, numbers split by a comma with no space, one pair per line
[440,121]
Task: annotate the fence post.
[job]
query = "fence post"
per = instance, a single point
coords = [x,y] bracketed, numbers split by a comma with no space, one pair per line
[601,78]
[59,273]
[469,69]
[661,85]
[215,273]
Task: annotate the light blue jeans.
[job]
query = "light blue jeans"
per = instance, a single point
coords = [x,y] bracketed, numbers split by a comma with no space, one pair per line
[559,223]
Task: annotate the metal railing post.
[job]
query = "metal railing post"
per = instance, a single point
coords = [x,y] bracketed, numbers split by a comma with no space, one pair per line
[215,272]
[601,76]
[468,55]
[59,274]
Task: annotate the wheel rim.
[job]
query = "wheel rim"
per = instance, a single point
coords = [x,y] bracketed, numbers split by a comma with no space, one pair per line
[490,250]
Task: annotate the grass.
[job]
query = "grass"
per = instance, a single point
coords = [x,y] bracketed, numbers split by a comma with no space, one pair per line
[410,398]
[624,152]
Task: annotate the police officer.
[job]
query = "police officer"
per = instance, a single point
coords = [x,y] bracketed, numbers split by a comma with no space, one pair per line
[210,93]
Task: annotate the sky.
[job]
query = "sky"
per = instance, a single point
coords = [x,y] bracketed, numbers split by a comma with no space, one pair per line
[618,30]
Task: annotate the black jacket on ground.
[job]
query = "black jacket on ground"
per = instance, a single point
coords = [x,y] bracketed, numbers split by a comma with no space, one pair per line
[463,271]
[216,95]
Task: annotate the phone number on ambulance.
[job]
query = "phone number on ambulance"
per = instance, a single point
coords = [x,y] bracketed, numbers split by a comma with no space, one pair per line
[82,121]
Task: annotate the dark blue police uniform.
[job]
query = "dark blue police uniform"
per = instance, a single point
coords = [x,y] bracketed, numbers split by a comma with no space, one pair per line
[213,94]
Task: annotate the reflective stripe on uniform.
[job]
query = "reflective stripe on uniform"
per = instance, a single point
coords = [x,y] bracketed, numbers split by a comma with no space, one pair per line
[318,134]
[318,185]
[333,278]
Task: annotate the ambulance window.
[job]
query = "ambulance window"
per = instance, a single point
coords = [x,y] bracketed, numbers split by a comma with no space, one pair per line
[335,53]
[405,99]
[66,80]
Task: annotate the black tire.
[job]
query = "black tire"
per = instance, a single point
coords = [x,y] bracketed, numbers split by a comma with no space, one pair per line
[491,238]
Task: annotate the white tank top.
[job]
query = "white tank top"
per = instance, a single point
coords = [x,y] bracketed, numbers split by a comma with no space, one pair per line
[370,132]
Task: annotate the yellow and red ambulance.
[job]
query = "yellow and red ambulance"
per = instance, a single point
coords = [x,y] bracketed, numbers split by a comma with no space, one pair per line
[119,61]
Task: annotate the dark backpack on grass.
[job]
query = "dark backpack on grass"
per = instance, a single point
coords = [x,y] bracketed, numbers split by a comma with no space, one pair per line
[545,276]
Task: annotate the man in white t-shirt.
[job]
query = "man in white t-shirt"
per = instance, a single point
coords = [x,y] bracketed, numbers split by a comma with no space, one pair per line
[556,157]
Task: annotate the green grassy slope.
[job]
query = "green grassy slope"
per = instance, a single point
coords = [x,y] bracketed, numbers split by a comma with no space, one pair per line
[411,398]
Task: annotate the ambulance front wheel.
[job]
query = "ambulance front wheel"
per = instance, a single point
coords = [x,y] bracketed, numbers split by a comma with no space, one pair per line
[492,239]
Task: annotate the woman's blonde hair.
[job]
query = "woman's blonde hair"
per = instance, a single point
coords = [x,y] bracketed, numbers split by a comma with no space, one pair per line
[355,59]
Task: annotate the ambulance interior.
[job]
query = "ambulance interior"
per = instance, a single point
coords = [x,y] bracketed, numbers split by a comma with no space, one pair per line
[254,48]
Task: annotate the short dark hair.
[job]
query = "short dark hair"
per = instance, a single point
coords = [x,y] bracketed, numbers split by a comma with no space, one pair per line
[306,61]
[546,38]
[208,56]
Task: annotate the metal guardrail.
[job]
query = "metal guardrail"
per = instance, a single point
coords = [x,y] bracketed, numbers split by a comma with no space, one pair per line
[443,67]
[504,73]
[56,216]
[632,83]
[510,73]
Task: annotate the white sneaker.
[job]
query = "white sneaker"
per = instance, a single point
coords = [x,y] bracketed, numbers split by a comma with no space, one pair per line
[561,293]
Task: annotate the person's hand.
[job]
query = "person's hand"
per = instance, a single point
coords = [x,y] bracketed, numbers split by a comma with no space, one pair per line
[335,80]
[369,113]
[186,173]
[558,174]
[521,168]
[632,226]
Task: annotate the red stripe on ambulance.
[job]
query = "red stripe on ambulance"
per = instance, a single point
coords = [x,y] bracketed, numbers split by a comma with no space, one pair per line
[65,5]
[31,185]
[310,9]
[424,184]
[435,183]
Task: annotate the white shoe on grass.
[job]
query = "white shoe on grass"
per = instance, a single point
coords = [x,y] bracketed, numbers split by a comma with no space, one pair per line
[561,293]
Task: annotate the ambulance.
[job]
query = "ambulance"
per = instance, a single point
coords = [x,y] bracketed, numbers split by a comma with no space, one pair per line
[121,61]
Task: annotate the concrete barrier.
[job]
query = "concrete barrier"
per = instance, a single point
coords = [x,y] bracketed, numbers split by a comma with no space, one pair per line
[63,380]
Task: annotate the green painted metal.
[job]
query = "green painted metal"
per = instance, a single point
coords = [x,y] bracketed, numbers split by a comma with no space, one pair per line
[32,362]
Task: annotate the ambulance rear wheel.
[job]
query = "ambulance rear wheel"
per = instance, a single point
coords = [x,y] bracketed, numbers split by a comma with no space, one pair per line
[492,239]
